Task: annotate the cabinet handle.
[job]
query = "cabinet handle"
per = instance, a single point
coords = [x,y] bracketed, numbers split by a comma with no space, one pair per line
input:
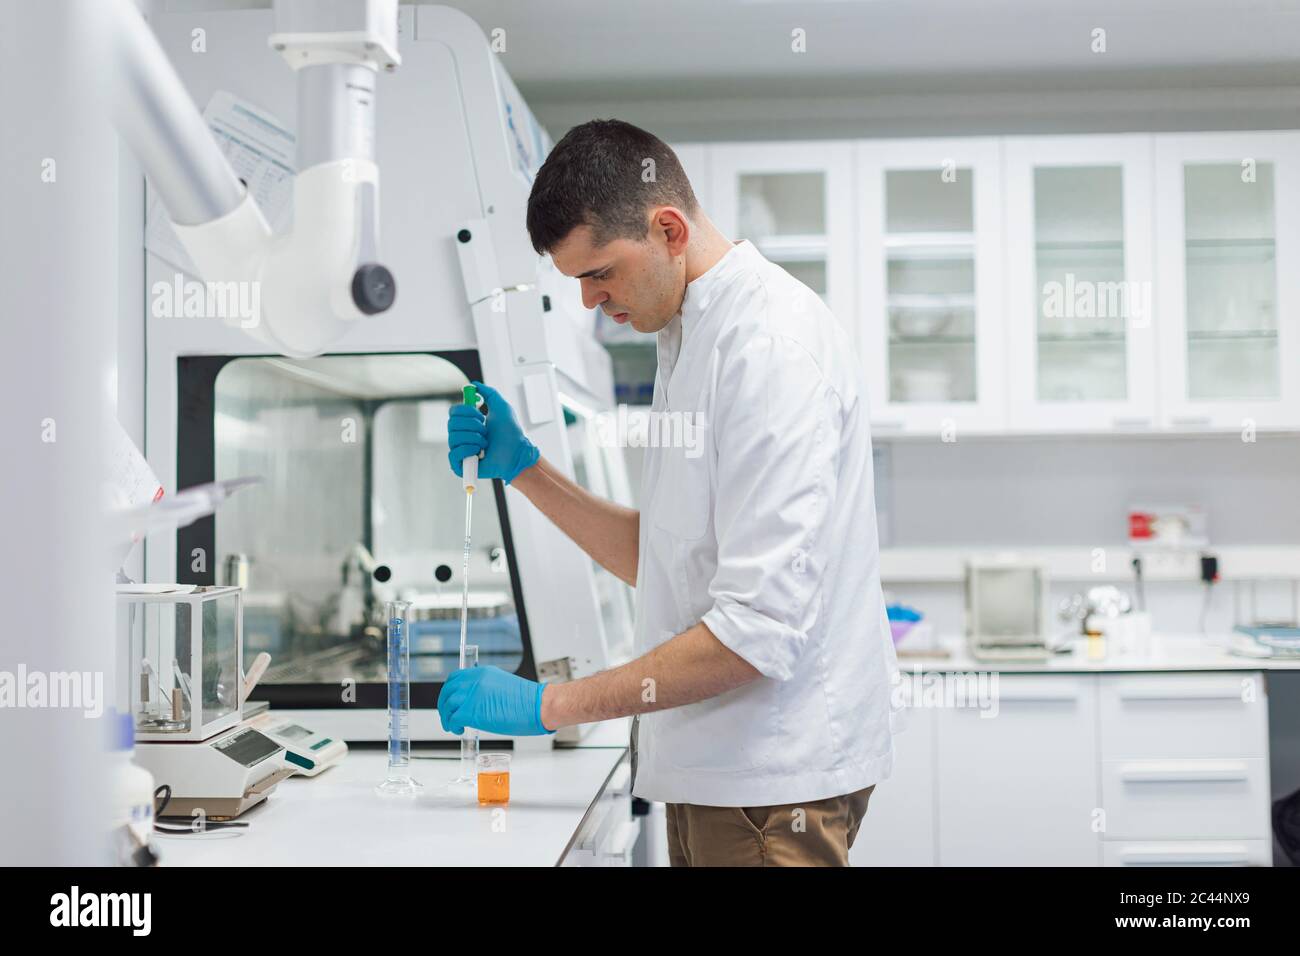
[621,846]
[1048,689]
[1139,421]
[1222,853]
[1202,690]
[1191,419]
[1189,771]
[1007,696]
[887,425]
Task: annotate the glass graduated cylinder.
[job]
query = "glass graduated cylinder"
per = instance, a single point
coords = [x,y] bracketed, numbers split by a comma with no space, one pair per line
[399,781]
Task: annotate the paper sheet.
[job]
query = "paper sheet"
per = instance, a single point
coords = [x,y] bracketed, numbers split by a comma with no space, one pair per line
[131,482]
[259,148]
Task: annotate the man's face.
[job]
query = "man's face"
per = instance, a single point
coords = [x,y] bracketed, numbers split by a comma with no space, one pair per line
[635,282]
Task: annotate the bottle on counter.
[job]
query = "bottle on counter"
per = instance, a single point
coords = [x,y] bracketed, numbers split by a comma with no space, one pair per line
[1096,643]
[130,791]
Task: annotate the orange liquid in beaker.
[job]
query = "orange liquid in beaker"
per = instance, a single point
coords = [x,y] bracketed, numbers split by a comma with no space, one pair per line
[494,787]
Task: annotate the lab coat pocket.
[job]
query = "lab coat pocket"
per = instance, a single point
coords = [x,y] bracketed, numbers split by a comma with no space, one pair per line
[684,494]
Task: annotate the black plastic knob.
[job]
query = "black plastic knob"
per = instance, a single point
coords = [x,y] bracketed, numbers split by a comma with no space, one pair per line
[373,288]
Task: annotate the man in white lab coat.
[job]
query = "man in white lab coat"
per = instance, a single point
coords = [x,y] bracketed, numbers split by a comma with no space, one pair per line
[763,681]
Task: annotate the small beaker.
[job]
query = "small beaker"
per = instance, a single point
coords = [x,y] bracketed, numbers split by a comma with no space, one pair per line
[493,778]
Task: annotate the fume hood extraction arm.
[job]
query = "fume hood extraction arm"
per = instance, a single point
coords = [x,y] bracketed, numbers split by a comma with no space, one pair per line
[322,276]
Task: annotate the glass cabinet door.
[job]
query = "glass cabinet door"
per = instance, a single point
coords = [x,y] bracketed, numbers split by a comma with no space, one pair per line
[1228,205]
[1079,244]
[1080,284]
[1230,261]
[930,229]
[794,202]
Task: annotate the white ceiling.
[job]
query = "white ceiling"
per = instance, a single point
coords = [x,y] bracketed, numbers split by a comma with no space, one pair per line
[560,46]
[724,69]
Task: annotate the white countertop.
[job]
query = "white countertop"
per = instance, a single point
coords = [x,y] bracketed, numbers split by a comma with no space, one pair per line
[1161,652]
[338,819]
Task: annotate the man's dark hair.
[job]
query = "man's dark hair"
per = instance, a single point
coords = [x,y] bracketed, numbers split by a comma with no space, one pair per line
[598,175]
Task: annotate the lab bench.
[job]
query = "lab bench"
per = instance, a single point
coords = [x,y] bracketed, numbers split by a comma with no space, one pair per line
[1160,652]
[568,806]
[1158,757]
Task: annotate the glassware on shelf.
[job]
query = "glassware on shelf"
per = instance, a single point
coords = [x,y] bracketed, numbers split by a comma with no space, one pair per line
[1085,304]
[784,216]
[1230,254]
[930,285]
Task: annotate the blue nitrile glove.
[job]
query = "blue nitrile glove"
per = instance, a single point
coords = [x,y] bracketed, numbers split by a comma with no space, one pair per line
[507,450]
[493,701]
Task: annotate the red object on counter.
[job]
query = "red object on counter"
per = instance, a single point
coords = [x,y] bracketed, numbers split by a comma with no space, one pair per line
[1139,525]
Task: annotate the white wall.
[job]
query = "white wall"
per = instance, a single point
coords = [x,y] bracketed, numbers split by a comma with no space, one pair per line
[1065,491]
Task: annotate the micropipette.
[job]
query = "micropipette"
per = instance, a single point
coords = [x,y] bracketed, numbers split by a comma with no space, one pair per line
[469,471]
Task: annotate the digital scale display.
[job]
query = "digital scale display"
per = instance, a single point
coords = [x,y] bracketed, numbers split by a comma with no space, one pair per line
[248,747]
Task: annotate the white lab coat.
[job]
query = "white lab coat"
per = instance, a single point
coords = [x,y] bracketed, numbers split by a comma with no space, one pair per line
[765,530]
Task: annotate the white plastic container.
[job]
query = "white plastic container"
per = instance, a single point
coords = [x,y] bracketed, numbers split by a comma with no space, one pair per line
[130,786]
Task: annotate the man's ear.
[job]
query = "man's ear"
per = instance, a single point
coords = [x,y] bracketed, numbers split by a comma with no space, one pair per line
[671,223]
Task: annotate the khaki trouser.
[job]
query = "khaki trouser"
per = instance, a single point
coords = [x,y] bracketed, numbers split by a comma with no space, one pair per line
[814,833]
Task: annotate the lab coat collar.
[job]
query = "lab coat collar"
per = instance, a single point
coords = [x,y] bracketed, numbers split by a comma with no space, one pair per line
[700,294]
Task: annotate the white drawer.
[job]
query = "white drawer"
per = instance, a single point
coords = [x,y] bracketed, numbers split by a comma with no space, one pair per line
[1212,714]
[609,833]
[618,843]
[1188,853]
[1181,797]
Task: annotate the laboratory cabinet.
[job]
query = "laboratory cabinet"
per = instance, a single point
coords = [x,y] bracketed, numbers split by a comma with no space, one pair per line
[795,204]
[1185,757]
[1228,222]
[898,829]
[1080,283]
[929,307]
[1017,784]
[1101,284]
[1122,769]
